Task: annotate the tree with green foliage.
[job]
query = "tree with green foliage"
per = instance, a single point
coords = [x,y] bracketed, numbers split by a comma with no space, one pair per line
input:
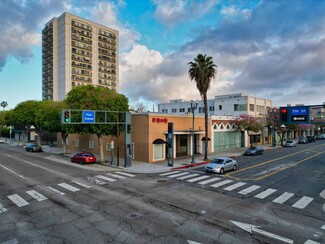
[248,123]
[202,71]
[97,98]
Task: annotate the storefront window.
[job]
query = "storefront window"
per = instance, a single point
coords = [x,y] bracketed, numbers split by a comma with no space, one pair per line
[158,151]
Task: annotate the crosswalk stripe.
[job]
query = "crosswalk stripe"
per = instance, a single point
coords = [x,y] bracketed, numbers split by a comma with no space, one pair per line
[19,201]
[126,174]
[169,173]
[187,176]
[249,189]
[105,178]
[69,187]
[234,186]
[221,183]
[303,202]
[209,181]
[116,176]
[265,193]
[311,242]
[55,190]
[2,208]
[284,197]
[198,178]
[38,196]
[81,184]
[180,174]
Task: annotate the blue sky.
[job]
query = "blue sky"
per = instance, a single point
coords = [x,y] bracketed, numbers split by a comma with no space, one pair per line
[268,49]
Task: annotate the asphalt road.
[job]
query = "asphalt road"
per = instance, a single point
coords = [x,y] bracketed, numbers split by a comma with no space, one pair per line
[45,200]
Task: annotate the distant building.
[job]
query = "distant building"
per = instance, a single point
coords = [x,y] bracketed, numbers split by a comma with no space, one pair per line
[224,105]
[77,52]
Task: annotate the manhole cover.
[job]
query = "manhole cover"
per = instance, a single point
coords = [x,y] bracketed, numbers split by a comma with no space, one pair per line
[161,181]
[133,215]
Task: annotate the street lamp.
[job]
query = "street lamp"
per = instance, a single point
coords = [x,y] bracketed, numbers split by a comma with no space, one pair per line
[273,128]
[193,107]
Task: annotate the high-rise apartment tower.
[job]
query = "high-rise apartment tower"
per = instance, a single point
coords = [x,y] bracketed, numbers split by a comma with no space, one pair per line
[77,52]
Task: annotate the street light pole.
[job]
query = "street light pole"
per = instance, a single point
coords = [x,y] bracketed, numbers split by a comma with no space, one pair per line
[193,107]
[273,128]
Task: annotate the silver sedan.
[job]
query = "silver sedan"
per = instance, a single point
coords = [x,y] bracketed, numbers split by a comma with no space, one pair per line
[221,164]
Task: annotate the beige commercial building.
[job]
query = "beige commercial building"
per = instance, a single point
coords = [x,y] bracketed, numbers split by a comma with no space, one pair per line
[77,52]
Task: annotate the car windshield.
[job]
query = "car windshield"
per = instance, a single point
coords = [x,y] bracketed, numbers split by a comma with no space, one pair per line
[218,161]
[252,148]
[289,141]
[88,155]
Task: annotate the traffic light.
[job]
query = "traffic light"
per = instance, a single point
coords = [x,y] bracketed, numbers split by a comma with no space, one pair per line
[67,116]
[170,128]
[128,129]
[283,115]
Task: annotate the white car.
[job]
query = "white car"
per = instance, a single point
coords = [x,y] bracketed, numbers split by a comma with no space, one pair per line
[1,141]
[290,143]
[221,164]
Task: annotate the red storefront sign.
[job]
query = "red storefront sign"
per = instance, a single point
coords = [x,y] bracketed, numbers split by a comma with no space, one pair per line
[159,120]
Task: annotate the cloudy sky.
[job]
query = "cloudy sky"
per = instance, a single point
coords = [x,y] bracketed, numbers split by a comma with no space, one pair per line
[272,49]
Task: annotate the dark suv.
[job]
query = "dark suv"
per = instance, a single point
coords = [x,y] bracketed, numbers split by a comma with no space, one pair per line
[310,138]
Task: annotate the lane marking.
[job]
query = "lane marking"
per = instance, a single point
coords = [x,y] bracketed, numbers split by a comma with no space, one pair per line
[225,182]
[38,196]
[209,181]
[126,174]
[19,201]
[105,178]
[249,189]
[265,193]
[116,176]
[303,202]
[69,187]
[311,242]
[198,178]
[323,227]
[180,174]
[234,186]
[187,176]
[14,172]
[81,184]
[169,173]
[283,198]
[55,190]
[2,208]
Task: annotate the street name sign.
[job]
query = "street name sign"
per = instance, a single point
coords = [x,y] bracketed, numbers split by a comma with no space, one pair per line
[88,116]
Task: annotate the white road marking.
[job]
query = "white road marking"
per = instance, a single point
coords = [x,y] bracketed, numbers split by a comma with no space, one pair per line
[126,174]
[169,173]
[234,186]
[249,189]
[221,183]
[303,202]
[105,178]
[323,227]
[180,174]
[2,208]
[12,241]
[13,172]
[116,176]
[69,187]
[55,190]
[187,176]
[311,242]
[265,193]
[81,184]
[38,196]
[209,181]
[284,197]
[19,201]
[198,178]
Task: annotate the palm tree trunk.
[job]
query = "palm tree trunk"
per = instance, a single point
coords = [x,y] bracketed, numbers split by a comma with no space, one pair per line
[64,139]
[206,126]
[101,151]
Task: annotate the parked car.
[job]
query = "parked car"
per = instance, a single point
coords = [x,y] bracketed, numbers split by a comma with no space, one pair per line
[221,164]
[254,151]
[290,143]
[84,157]
[310,138]
[1,141]
[303,140]
[33,147]
[320,137]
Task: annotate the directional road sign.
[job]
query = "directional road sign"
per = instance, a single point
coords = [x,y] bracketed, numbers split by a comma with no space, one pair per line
[88,116]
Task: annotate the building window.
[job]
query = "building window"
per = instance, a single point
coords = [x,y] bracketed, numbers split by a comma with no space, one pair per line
[108,147]
[164,110]
[174,110]
[76,143]
[235,107]
[251,107]
[201,109]
[182,110]
[91,144]
[158,151]
[211,108]
[215,126]
[220,107]
[189,110]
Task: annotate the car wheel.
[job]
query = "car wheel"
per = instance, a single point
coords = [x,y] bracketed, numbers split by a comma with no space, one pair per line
[221,171]
[235,167]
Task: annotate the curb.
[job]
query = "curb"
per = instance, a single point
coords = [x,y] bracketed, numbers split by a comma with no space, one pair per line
[189,165]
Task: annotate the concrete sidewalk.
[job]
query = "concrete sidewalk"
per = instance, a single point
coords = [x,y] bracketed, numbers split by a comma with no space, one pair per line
[143,167]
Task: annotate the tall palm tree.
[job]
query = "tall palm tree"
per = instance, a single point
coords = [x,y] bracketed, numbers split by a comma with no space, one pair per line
[4,104]
[202,70]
